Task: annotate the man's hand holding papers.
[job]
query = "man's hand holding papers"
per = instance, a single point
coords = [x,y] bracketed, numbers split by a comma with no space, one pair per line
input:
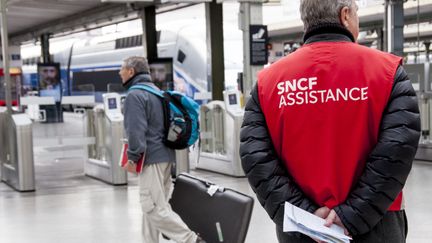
[299,220]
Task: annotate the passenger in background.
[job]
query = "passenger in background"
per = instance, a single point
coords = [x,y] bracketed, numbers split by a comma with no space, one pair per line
[143,114]
[333,129]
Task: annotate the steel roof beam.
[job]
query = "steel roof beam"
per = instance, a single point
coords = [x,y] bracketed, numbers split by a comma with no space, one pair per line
[94,18]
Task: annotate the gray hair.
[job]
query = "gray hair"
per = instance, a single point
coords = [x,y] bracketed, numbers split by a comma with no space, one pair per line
[315,12]
[139,64]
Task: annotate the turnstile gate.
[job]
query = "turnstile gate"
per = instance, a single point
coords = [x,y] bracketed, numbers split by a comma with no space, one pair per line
[220,124]
[420,75]
[16,154]
[106,125]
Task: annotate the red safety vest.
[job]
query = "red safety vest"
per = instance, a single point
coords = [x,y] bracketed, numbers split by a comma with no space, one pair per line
[323,106]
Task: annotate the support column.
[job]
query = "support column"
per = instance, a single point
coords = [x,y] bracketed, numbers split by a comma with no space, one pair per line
[380,39]
[149,37]
[46,57]
[5,53]
[250,14]
[215,49]
[394,26]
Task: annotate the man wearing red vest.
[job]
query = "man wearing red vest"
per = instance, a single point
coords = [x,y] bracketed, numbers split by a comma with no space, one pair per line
[333,129]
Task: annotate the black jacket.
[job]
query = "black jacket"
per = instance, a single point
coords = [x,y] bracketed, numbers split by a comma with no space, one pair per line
[385,173]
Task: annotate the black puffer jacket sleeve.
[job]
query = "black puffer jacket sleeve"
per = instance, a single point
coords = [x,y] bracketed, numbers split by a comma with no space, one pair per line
[266,174]
[389,163]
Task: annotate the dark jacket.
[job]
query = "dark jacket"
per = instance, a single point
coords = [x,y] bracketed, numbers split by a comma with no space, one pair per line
[385,173]
[143,114]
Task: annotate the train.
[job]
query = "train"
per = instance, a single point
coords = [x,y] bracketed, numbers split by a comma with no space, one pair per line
[92,67]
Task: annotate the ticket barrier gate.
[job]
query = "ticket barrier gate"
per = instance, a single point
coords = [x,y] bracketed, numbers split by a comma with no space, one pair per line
[105,123]
[220,123]
[34,103]
[420,75]
[16,154]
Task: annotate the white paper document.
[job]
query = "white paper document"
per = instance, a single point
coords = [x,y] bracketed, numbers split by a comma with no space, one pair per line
[299,220]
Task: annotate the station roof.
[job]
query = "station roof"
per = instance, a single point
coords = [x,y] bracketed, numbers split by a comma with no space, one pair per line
[28,19]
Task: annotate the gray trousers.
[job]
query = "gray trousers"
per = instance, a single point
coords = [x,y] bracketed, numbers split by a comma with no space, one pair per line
[393,228]
[158,217]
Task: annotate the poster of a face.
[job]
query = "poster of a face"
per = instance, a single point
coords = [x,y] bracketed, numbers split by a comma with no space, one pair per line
[161,72]
[49,80]
[49,75]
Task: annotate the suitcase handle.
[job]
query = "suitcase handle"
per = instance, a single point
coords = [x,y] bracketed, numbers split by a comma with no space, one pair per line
[206,183]
[209,184]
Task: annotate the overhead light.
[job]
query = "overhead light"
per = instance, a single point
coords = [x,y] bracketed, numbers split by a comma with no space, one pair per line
[156,1]
[184,1]
[126,1]
[248,1]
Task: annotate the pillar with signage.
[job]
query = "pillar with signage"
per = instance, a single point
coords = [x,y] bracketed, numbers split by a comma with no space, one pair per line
[254,48]
[50,84]
[258,40]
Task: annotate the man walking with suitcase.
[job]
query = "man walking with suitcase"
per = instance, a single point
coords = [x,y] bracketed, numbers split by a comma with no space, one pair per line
[333,129]
[143,114]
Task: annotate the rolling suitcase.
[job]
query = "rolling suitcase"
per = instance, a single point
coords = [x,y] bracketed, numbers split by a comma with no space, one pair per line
[223,217]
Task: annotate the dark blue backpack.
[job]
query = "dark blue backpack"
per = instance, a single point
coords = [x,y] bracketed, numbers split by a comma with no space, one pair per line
[180,117]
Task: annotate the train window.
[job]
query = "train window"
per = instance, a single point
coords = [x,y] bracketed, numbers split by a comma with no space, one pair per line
[105,79]
[123,43]
[119,43]
[15,57]
[181,56]
[139,42]
[127,42]
[134,40]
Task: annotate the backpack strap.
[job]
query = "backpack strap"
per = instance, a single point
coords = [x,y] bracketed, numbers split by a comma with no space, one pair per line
[147,88]
[165,103]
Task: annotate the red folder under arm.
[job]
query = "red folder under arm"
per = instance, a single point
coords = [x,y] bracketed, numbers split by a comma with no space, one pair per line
[124,159]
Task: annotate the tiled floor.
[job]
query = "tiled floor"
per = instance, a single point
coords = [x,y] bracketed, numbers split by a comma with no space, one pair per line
[70,207]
